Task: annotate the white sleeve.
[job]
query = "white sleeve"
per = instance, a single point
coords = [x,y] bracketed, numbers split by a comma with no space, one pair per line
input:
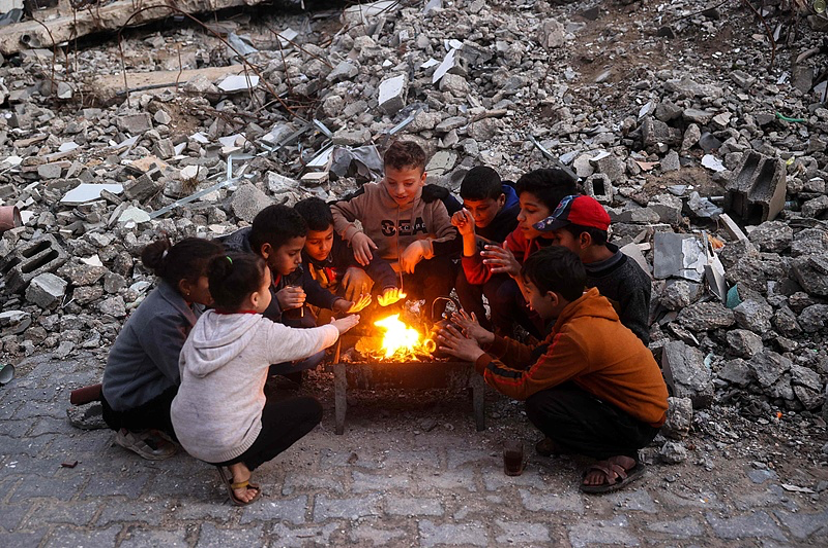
[289,344]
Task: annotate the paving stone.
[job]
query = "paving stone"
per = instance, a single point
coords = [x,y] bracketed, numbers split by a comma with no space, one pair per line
[299,481]
[457,458]
[142,537]
[679,498]
[639,500]
[772,495]
[337,458]
[403,506]
[398,460]
[107,485]
[11,515]
[304,537]
[551,502]
[802,525]
[681,528]
[60,486]
[458,479]
[522,532]
[48,425]
[16,428]
[267,508]
[498,481]
[122,510]
[75,513]
[211,536]
[199,486]
[24,539]
[756,524]
[379,482]
[68,537]
[613,531]
[347,508]
[449,534]
[376,537]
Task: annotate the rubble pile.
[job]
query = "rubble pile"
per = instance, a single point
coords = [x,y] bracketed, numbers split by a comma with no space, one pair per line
[710,159]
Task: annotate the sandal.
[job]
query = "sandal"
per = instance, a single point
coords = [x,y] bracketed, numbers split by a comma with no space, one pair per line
[616,476]
[230,485]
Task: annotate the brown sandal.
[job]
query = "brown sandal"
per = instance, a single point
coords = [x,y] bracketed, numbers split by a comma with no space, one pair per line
[230,485]
[616,475]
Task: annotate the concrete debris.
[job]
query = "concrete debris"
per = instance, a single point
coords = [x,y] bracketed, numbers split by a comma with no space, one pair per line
[703,181]
[686,374]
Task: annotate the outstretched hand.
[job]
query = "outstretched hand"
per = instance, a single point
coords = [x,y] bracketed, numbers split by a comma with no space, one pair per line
[346,323]
[471,328]
[456,344]
[363,245]
[501,260]
[390,296]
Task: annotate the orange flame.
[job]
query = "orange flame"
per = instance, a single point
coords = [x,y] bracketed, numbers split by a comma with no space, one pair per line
[401,341]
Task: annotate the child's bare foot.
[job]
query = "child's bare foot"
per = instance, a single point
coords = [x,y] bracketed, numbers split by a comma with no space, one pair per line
[243,490]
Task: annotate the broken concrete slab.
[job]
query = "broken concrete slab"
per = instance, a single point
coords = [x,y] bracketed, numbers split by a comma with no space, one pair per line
[686,373]
[757,191]
[392,93]
[78,23]
[247,201]
[46,290]
[239,83]
[677,255]
[107,88]
[87,192]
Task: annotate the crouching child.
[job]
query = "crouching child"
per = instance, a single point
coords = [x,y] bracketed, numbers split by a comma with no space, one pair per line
[591,387]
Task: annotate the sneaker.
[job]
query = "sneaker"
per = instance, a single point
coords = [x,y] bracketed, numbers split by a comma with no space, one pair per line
[148,444]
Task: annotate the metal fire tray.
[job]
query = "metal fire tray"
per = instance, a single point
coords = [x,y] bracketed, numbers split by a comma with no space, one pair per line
[406,375]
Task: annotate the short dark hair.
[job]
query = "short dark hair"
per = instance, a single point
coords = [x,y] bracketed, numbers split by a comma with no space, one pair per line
[185,260]
[234,277]
[316,213]
[598,236]
[549,185]
[556,269]
[405,154]
[276,225]
[482,182]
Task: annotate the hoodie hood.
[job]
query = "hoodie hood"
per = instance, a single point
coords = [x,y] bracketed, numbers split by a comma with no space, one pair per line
[238,241]
[590,304]
[217,338]
[511,195]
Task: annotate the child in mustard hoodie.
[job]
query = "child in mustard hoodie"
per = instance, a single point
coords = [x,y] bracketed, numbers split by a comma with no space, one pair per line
[591,387]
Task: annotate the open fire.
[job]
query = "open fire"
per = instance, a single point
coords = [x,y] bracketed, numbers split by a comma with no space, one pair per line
[398,342]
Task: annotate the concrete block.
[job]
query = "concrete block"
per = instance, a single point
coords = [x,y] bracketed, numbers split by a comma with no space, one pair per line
[392,94]
[686,373]
[46,290]
[42,255]
[135,124]
[757,191]
[600,187]
[247,201]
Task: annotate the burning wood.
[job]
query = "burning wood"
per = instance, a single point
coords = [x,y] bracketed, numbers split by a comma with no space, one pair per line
[399,342]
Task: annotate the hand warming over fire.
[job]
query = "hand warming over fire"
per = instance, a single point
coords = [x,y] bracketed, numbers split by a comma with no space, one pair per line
[346,323]
[471,328]
[455,343]
[413,254]
[290,297]
[390,296]
[349,306]
[501,260]
[464,221]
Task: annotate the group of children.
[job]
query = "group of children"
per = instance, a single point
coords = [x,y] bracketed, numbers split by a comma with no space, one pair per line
[528,249]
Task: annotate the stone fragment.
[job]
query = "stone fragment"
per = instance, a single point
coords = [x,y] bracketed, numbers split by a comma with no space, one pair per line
[736,372]
[811,273]
[697,116]
[81,274]
[670,163]
[757,190]
[673,452]
[582,165]
[392,93]
[46,290]
[668,206]
[813,318]
[162,117]
[87,417]
[449,124]
[551,34]
[343,71]
[809,241]
[484,129]
[678,294]
[610,165]
[455,85]
[703,316]
[691,137]
[113,306]
[247,201]
[136,124]
[686,373]
[678,418]
[754,315]
[50,171]
[351,137]
[772,236]
[141,188]
[239,83]
[768,366]
[744,343]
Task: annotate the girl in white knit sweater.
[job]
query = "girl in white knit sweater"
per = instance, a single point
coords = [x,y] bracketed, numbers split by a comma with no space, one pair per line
[221,414]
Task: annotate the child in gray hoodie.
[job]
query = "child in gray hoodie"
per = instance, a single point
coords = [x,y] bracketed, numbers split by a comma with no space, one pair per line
[221,414]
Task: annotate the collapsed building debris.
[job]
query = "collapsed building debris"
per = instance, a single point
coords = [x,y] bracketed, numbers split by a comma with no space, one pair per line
[718,197]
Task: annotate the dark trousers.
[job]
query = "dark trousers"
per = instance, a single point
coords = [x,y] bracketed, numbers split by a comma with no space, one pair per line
[579,421]
[431,279]
[152,415]
[284,422]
